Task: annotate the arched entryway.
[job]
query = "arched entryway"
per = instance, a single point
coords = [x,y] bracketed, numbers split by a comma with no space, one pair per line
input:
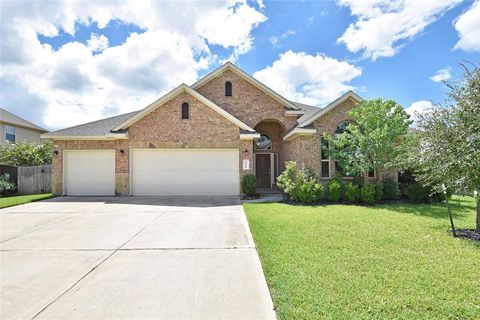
[267,150]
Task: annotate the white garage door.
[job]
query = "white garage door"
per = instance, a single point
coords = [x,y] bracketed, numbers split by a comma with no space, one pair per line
[89,172]
[184,172]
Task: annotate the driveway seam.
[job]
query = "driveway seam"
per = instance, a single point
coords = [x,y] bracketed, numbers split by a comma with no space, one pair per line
[39,228]
[96,266]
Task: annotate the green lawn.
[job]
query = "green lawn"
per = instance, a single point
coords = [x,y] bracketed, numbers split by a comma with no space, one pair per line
[382,262]
[16,200]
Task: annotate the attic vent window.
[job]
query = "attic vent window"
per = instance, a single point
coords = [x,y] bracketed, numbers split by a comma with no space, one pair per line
[228,89]
[185,110]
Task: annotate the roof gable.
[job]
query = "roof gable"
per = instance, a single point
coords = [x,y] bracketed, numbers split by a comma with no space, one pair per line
[13,119]
[349,95]
[248,78]
[182,88]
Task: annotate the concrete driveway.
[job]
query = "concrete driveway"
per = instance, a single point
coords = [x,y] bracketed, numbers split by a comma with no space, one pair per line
[162,258]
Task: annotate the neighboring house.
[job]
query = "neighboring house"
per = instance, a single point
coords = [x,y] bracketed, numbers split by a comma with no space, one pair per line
[198,140]
[15,129]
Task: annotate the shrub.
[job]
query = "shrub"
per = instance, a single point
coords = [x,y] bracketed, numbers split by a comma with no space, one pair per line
[287,180]
[378,192]
[310,191]
[369,193]
[249,184]
[351,193]
[358,181]
[26,153]
[299,185]
[417,193]
[390,189]
[334,190]
[6,186]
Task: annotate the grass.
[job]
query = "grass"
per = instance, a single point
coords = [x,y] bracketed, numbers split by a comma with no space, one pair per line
[16,200]
[383,262]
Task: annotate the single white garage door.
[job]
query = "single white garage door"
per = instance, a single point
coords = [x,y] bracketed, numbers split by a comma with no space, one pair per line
[89,172]
[156,172]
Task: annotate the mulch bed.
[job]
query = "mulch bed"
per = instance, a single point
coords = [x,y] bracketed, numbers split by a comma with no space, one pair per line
[470,234]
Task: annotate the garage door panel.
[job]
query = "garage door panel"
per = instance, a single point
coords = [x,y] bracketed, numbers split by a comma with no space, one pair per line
[184,172]
[89,173]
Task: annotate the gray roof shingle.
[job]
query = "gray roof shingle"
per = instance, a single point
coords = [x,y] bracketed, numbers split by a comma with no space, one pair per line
[9,117]
[309,111]
[95,128]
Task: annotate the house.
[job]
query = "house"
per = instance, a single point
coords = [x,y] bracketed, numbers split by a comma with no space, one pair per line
[15,129]
[198,140]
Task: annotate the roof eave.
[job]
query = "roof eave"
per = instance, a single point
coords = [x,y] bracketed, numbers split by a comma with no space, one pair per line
[108,136]
[167,97]
[299,132]
[23,126]
[249,136]
[348,95]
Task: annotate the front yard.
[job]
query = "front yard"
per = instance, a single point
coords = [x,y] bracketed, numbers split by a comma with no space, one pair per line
[383,262]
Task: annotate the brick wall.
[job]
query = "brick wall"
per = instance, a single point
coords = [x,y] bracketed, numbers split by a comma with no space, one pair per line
[121,161]
[247,103]
[162,128]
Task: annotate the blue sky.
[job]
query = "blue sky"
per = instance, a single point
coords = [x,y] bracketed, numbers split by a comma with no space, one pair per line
[67,63]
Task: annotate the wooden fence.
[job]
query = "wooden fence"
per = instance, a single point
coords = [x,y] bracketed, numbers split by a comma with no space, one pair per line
[10,170]
[35,179]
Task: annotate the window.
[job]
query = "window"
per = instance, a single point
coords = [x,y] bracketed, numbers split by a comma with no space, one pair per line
[371,174]
[228,89]
[185,111]
[342,127]
[10,133]
[263,143]
[325,160]
[340,171]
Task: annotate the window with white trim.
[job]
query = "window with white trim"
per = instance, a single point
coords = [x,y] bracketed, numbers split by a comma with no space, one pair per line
[325,159]
[10,133]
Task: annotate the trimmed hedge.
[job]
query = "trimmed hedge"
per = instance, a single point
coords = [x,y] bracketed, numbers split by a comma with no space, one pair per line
[249,184]
[351,193]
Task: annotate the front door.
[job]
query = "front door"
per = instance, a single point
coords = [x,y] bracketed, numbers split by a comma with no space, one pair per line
[262,170]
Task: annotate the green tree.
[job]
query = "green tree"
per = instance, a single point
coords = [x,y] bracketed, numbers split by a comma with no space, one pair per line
[26,154]
[445,148]
[372,140]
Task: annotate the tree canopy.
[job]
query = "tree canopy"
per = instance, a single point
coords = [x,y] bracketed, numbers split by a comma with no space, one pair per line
[371,140]
[26,154]
[445,148]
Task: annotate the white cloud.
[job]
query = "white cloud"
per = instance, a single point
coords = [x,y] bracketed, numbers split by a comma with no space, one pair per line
[383,26]
[274,39]
[441,75]
[97,43]
[418,108]
[468,28]
[81,82]
[311,79]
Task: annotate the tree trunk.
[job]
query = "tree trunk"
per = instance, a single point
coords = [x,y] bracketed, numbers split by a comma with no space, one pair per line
[478,212]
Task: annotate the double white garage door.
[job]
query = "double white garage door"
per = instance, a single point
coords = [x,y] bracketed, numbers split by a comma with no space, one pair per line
[154,172]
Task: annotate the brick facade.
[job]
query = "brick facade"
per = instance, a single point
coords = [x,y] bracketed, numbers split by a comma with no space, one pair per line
[121,161]
[162,128]
[207,129]
[247,103]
